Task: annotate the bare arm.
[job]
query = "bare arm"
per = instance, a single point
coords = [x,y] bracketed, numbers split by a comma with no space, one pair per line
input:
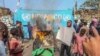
[92,44]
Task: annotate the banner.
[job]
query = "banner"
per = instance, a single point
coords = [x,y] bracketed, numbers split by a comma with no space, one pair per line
[25,16]
[44,43]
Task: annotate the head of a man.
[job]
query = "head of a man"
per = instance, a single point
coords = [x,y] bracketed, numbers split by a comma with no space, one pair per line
[69,23]
[18,23]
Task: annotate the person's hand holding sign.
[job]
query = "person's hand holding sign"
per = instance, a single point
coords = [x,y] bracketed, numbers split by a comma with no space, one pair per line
[92,44]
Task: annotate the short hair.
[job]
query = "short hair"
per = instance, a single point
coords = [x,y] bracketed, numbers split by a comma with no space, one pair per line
[18,22]
[14,31]
[69,21]
[82,31]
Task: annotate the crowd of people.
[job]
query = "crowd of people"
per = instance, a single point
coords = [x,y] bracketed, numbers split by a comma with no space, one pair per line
[10,40]
[77,39]
[80,39]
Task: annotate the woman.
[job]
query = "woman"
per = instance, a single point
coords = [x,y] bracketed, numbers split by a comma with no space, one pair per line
[15,45]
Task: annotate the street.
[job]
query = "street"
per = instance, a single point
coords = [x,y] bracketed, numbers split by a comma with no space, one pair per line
[28,49]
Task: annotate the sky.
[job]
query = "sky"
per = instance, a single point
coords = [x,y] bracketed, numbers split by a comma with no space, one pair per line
[41,4]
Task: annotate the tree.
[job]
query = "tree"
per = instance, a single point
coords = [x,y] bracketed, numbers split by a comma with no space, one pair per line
[92,4]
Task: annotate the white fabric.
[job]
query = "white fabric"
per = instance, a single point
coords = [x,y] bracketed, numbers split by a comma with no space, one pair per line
[65,35]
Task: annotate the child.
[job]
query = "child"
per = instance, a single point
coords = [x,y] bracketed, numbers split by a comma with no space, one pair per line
[15,45]
[78,42]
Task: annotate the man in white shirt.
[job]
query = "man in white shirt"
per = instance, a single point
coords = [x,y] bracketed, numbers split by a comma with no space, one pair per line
[65,35]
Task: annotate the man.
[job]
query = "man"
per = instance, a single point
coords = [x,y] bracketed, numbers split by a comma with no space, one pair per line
[20,31]
[75,25]
[30,30]
[80,25]
[65,36]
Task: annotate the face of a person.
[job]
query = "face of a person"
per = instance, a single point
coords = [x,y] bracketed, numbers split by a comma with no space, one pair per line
[69,24]
[18,24]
